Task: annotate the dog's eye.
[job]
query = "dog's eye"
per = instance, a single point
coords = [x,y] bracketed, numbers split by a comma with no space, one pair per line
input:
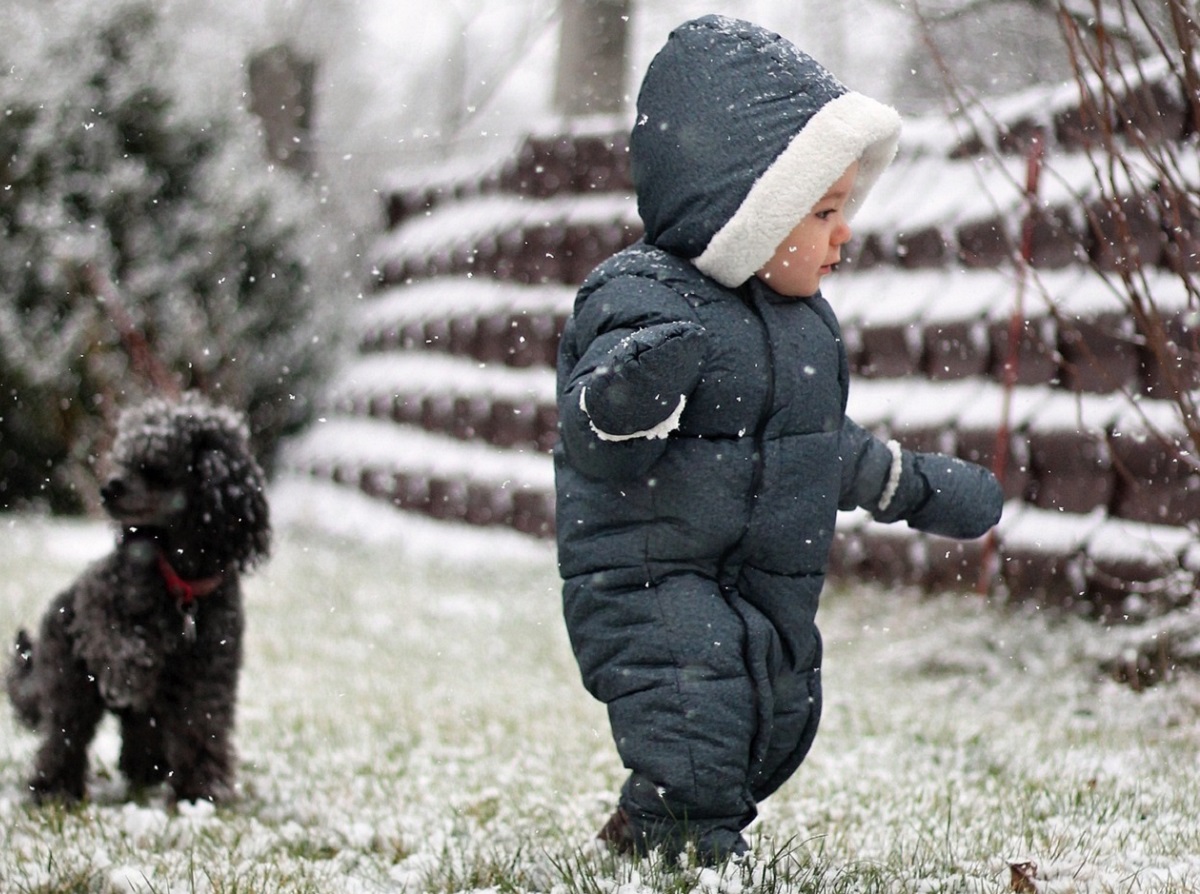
[155,476]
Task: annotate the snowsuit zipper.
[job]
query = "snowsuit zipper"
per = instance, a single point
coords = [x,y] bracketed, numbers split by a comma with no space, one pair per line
[746,295]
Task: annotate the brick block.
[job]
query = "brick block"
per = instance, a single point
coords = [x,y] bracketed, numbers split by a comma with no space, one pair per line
[1099,354]
[491,338]
[375,482]
[1071,470]
[866,252]
[471,418]
[407,408]
[437,412]
[436,334]
[1155,112]
[447,498]
[514,423]
[410,490]
[1124,235]
[531,340]
[1043,578]
[487,504]
[1055,240]
[602,163]
[953,564]
[1036,359]
[980,446]
[1154,483]
[890,557]
[921,250]
[412,335]
[462,335]
[543,167]
[546,426]
[540,259]
[888,352]
[1018,137]
[985,243]
[533,513]
[1174,367]
[1076,129]
[1180,215]
[955,350]
[1111,582]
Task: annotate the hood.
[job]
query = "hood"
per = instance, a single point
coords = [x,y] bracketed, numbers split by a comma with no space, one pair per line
[738,134]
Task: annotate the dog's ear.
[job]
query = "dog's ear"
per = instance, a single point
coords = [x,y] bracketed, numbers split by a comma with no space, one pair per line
[231,504]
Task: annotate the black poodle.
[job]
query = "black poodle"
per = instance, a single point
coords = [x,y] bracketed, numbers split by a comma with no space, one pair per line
[153,631]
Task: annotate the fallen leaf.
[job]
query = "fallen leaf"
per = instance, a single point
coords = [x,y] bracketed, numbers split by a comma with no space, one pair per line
[1023,875]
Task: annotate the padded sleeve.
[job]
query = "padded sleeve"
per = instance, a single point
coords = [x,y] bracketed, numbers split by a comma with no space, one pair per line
[933,492]
[629,358]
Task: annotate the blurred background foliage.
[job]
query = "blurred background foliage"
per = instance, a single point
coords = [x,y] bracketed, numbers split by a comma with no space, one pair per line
[146,248]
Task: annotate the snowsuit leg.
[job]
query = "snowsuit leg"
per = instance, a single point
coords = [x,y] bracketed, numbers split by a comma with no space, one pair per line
[784,656]
[668,659]
[794,723]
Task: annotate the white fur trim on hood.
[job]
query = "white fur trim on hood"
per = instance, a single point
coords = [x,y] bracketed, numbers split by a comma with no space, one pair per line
[851,128]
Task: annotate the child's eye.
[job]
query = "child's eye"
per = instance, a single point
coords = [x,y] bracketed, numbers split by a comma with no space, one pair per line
[825,215]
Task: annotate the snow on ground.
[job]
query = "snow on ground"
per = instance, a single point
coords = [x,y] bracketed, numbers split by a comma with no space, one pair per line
[411,719]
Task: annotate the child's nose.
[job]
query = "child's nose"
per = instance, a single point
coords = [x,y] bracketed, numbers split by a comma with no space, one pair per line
[842,233]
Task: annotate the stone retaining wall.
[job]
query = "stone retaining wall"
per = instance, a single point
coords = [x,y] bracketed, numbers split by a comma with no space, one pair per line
[1102,481]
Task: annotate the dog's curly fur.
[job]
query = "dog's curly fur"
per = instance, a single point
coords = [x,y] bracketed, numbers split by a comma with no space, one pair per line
[189,500]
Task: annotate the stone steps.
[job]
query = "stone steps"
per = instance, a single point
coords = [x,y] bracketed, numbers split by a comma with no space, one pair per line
[448,407]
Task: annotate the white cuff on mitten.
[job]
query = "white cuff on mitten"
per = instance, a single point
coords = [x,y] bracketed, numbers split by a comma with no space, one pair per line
[893,482]
[659,431]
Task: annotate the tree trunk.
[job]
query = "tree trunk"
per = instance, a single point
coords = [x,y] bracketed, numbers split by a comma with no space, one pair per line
[591,59]
[282,90]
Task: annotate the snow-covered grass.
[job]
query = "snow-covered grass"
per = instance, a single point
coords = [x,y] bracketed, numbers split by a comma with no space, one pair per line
[411,720]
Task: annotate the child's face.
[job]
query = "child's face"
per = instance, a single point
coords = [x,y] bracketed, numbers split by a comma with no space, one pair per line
[813,248]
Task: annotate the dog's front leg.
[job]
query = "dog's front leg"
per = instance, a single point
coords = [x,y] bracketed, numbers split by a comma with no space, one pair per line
[143,759]
[200,753]
[198,727]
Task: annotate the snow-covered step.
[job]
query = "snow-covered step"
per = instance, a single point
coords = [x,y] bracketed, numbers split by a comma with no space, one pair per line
[440,476]
[413,372]
[942,325]
[372,444]
[586,154]
[510,238]
[490,403]
[1090,562]
[1066,452]
[953,322]
[915,405]
[482,319]
[460,296]
[479,274]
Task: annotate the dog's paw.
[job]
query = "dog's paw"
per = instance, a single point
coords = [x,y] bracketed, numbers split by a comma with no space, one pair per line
[44,793]
[213,793]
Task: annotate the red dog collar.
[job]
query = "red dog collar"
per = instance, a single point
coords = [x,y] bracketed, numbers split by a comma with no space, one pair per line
[185,592]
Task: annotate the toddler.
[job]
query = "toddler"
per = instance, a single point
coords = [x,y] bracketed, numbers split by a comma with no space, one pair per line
[704,448]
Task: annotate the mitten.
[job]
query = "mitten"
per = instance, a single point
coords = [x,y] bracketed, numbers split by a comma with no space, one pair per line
[964,501]
[641,388]
[935,493]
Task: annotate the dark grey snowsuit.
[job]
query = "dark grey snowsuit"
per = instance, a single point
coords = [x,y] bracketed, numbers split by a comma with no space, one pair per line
[704,448]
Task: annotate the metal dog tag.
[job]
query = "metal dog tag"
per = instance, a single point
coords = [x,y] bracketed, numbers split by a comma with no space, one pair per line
[189,624]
